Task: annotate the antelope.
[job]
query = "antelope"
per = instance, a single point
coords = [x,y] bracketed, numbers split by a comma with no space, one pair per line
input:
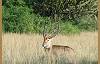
[58,50]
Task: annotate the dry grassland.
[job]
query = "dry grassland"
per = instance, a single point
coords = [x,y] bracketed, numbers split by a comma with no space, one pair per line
[27,48]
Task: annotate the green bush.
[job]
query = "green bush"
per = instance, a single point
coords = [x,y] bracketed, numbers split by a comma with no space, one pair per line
[68,28]
[15,19]
[30,16]
[65,9]
[20,19]
[87,23]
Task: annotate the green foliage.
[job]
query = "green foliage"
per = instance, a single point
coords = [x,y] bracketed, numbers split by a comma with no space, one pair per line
[31,15]
[87,23]
[65,9]
[68,28]
[15,19]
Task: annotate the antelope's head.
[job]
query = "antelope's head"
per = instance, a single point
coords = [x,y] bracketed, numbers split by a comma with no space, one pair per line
[47,41]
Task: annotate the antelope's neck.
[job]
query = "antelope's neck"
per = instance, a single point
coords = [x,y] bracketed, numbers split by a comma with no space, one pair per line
[49,44]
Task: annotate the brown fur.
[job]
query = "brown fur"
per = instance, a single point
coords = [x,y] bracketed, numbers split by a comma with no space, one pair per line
[58,50]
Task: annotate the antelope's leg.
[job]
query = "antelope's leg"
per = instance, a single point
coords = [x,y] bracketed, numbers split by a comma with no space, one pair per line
[71,56]
[49,57]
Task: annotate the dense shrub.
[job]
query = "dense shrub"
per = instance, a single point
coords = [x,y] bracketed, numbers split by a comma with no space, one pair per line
[65,9]
[15,19]
[88,23]
[68,28]
[32,15]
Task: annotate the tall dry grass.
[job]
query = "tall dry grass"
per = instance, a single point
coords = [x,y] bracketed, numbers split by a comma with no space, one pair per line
[27,48]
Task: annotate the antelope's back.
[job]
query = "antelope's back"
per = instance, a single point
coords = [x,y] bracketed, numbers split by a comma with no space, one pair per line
[62,49]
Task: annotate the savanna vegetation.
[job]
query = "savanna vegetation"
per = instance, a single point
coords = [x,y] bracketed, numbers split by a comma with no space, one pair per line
[27,48]
[73,16]
[23,22]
